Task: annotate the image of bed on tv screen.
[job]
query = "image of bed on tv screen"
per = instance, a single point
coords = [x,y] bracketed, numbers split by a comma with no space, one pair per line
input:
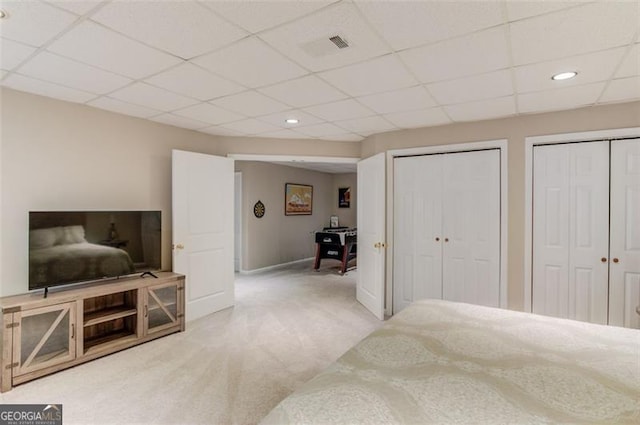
[72,247]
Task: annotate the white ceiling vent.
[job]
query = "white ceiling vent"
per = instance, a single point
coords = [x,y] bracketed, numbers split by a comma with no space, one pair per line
[325,46]
[339,41]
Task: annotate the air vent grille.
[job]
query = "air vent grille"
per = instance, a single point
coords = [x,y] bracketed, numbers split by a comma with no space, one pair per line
[339,41]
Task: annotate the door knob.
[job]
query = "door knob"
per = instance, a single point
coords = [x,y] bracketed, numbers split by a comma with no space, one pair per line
[615,260]
[446,239]
[603,259]
[437,239]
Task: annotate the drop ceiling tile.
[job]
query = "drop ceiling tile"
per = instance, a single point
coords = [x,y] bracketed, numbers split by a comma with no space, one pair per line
[399,100]
[570,32]
[96,45]
[622,90]
[321,130]
[33,22]
[250,103]
[115,105]
[591,68]
[284,134]
[178,121]
[420,118]
[240,61]
[374,76]
[340,110]
[32,85]
[13,53]
[484,109]
[255,16]
[368,125]
[279,118]
[468,55]
[209,113]
[413,23]
[251,126]
[305,91]
[152,97]
[517,10]
[631,63]
[79,7]
[56,69]
[469,89]
[195,82]
[219,131]
[154,23]
[566,98]
[306,40]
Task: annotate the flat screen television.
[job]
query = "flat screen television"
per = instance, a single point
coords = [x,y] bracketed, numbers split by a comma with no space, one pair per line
[77,246]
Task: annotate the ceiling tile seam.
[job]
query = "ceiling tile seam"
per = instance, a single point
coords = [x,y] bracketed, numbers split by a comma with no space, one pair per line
[590,52]
[222,18]
[205,124]
[57,84]
[577,4]
[617,68]
[128,103]
[334,3]
[506,33]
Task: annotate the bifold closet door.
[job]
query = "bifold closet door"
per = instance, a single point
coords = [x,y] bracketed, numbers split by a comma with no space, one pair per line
[417,270]
[571,230]
[447,228]
[624,269]
[471,227]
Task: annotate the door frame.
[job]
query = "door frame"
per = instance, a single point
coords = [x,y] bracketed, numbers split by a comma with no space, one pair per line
[552,139]
[237,216]
[501,145]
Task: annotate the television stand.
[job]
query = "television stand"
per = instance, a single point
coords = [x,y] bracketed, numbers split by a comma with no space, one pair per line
[40,336]
[148,274]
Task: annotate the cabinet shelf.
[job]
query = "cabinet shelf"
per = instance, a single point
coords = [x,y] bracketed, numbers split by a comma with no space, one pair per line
[92,344]
[108,314]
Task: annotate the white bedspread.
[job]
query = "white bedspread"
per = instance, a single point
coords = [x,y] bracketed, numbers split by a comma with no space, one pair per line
[452,363]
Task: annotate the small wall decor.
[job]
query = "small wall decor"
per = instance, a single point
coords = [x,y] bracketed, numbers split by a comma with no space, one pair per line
[344,197]
[258,209]
[298,199]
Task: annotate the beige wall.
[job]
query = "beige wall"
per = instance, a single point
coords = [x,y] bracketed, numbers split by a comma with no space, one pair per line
[57,155]
[276,238]
[514,130]
[346,216]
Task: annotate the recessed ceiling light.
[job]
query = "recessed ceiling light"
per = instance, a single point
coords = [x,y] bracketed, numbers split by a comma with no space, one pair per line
[291,121]
[3,14]
[564,75]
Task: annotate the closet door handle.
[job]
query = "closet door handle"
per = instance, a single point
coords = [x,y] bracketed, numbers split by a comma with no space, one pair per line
[446,239]
[615,260]
[437,239]
[603,259]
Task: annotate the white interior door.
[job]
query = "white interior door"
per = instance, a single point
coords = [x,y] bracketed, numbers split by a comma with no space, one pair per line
[237,224]
[624,307]
[203,187]
[371,234]
[417,245]
[471,227]
[570,230]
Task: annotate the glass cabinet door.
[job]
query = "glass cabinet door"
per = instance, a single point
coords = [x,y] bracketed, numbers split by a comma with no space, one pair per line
[43,337]
[162,307]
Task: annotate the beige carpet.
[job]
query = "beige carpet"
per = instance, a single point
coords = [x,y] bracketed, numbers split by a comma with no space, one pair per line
[231,367]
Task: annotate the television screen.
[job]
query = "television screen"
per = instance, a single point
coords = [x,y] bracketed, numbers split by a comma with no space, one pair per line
[77,246]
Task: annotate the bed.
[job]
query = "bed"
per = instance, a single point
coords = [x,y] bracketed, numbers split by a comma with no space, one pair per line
[452,363]
[62,254]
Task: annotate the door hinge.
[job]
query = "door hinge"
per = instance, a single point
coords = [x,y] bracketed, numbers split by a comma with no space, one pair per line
[180,315]
[12,365]
[180,288]
[13,325]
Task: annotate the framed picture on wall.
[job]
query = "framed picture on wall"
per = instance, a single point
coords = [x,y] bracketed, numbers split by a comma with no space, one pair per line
[298,199]
[344,197]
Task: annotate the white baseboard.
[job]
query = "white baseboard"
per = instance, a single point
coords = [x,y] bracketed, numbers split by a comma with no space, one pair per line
[275,266]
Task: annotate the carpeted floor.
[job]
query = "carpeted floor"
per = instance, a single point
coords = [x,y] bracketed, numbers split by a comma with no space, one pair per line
[231,367]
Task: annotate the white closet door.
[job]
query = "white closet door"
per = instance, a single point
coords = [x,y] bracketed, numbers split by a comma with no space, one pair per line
[417,271]
[471,227]
[570,231]
[624,283]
